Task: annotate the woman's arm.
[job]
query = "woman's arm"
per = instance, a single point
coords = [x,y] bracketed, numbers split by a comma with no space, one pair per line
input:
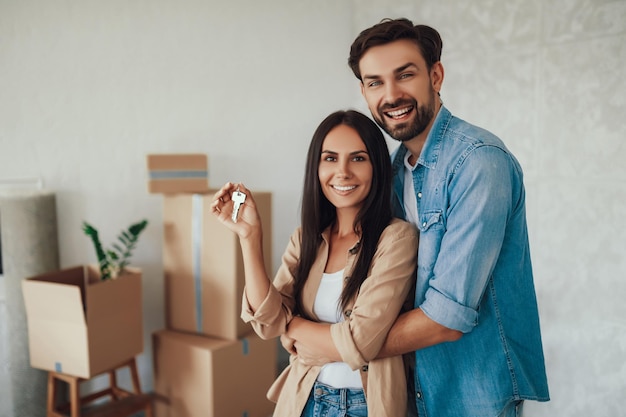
[310,337]
[249,229]
[267,306]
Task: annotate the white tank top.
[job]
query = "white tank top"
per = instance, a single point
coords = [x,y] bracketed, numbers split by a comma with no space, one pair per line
[326,307]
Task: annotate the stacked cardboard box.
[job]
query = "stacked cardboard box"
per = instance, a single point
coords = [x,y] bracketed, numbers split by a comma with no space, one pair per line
[207,362]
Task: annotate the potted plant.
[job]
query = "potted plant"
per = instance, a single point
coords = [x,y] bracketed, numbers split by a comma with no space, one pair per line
[114,260]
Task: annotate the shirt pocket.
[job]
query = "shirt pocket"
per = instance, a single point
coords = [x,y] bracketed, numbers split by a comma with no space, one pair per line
[431,220]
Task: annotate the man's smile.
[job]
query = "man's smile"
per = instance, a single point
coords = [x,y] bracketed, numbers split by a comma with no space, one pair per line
[399,113]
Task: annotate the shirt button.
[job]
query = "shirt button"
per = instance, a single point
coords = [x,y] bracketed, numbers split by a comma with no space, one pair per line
[424,224]
[418,394]
[419,195]
[364,368]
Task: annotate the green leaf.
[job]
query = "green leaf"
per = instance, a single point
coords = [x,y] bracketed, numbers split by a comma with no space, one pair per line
[101,255]
[116,259]
[118,248]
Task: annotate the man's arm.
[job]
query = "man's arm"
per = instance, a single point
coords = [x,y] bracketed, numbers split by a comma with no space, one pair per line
[413,330]
[480,204]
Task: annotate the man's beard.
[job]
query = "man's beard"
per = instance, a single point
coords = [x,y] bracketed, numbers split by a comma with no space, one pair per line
[403,132]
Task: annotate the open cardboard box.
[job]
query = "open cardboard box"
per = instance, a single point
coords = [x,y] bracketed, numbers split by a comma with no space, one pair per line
[80,325]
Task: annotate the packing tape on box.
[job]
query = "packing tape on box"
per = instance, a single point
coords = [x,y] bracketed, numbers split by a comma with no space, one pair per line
[177,174]
[196,244]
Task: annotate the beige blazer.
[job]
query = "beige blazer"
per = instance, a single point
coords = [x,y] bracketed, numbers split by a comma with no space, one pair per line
[360,336]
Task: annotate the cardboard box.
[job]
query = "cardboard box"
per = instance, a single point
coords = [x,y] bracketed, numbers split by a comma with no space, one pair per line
[80,325]
[202,376]
[177,173]
[203,266]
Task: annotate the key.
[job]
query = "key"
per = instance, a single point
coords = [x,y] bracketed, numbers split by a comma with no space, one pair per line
[238,199]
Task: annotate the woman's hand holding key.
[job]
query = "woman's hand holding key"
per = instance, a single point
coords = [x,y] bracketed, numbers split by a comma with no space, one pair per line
[234,206]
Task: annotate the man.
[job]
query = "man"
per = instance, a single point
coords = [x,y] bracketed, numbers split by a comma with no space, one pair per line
[475,325]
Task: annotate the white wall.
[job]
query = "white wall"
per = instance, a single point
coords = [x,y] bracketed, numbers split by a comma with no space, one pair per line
[88,88]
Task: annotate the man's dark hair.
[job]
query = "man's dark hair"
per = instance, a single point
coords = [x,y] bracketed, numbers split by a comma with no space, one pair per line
[390,30]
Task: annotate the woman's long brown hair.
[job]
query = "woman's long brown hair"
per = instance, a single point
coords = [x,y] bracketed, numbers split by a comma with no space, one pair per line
[318,213]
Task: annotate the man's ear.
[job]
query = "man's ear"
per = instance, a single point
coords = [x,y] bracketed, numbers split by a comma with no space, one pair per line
[436,76]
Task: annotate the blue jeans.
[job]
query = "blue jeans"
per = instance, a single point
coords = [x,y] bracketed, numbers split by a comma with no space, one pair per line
[326,401]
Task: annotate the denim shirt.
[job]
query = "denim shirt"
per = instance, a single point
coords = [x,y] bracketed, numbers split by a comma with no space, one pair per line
[473,273]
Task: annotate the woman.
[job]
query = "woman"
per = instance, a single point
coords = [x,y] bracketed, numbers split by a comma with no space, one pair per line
[344,276]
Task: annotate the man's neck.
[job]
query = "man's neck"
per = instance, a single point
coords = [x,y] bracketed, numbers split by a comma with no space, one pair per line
[414,147]
[416,144]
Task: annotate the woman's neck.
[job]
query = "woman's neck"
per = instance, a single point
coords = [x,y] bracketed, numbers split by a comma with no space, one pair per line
[344,223]
[342,239]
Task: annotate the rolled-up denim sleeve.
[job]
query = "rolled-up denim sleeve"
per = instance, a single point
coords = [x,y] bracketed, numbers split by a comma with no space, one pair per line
[481,196]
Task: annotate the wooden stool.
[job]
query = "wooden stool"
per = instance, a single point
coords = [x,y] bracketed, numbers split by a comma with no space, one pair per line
[123,402]
[124,407]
